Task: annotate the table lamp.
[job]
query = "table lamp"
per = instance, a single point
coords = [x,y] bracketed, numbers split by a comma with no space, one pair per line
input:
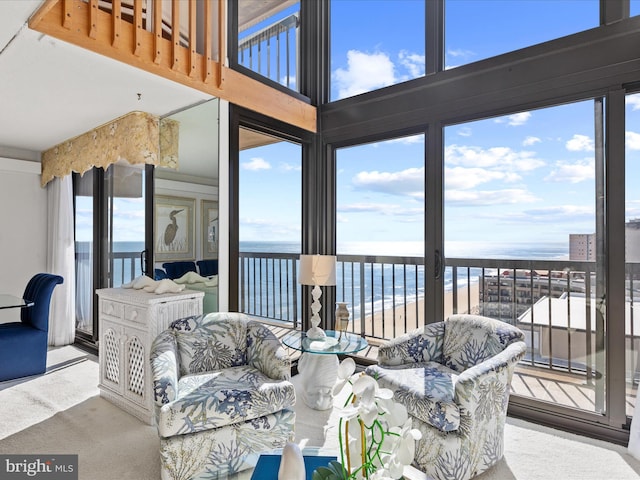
[317,271]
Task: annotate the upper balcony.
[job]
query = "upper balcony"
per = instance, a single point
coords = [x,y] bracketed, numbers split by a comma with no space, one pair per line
[186,42]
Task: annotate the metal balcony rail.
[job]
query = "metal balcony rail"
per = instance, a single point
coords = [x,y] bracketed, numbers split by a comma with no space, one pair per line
[273,51]
[553,301]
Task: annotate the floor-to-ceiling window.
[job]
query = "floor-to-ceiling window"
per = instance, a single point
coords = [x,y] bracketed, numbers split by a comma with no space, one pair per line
[534,171]
[523,204]
[632,244]
[479,29]
[380,234]
[270,215]
[385,47]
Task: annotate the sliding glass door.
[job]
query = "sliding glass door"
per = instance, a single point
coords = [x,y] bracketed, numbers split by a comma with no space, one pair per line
[111,229]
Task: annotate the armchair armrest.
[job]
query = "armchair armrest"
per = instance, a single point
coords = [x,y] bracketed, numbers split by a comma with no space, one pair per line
[266,353]
[491,378]
[421,345]
[164,368]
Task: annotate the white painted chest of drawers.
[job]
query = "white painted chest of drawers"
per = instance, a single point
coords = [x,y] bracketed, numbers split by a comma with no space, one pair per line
[129,320]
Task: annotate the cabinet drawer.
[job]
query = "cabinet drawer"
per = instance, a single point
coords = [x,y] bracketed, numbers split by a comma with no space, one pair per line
[111,308]
[133,313]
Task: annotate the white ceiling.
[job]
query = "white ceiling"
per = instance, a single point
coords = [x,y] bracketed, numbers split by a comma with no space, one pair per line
[51,91]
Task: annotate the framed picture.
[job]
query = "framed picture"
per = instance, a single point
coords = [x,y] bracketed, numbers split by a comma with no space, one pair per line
[209,229]
[174,225]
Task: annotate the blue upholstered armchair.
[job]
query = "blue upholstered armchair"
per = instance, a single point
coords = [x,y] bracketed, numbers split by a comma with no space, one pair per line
[177,269]
[23,344]
[454,378]
[207,268]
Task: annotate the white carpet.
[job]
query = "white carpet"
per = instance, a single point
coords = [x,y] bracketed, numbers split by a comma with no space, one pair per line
[62,412]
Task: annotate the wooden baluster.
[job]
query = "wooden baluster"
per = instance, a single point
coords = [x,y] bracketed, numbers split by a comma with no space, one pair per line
[67,7]
[175,32]
[222,33]
[137,26]
[192,37]
[157,31]
[116,15]
[93,18]
[208,39]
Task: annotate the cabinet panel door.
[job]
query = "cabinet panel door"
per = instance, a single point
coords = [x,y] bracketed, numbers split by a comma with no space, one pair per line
[137,367]
[111,356]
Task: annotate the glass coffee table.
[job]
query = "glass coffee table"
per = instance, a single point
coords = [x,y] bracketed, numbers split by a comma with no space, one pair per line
[318,364]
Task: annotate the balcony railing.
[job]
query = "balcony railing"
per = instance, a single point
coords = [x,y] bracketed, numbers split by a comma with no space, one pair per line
[273,51]
[554,302]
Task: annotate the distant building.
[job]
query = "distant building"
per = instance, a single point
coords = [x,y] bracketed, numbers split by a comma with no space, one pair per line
[632,240]
[582,247]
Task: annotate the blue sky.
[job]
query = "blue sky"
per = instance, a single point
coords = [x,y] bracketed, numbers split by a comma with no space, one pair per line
[529,176]
[526,177]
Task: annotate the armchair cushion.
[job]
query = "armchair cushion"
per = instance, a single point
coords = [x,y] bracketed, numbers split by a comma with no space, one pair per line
[225,397]
[209,346]
[426,389]
[422,345]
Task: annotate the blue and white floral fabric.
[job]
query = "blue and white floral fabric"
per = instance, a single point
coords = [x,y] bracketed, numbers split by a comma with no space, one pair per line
[222,392]
[454,378]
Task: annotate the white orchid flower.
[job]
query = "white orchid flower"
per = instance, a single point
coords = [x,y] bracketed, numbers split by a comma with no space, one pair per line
[346,370]
[375,431]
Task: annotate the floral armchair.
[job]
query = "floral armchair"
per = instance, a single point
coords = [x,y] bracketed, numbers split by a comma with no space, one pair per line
[222,392]
[454,378]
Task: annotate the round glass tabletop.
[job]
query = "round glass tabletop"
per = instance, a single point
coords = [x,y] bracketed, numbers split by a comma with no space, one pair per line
[333,343]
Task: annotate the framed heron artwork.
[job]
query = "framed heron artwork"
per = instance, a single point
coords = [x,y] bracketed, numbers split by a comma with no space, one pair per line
[209,229]
[174,225]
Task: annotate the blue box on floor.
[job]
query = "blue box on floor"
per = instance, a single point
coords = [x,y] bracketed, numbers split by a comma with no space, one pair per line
[268,465]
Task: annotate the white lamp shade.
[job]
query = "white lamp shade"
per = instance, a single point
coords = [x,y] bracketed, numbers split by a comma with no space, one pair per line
[317,270]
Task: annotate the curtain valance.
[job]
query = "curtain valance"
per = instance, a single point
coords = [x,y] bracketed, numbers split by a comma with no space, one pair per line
[137,137]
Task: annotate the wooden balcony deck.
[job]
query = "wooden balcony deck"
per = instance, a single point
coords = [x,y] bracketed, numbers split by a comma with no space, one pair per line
[538,383]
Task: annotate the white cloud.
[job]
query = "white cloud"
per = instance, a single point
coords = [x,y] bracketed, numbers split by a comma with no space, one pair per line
[580,143]
[573,172]
[465,178]
[633,140]
[365,72]
[267,228]
[460,53]
[530,141]
[554,215]
[411,140]
[409,182]
[290,167]
[488,197]
[465,132]
[495,157]
[381,209]
[413,62]
[256,163]
[518,118]
[514,120]
[633,101]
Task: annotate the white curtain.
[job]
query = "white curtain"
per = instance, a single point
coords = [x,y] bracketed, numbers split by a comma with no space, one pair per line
[61,260]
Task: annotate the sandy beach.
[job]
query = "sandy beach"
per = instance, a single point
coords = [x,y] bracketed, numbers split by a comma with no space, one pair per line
[405,318]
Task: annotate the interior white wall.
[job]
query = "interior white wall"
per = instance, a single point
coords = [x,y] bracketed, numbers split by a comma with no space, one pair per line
[23,239]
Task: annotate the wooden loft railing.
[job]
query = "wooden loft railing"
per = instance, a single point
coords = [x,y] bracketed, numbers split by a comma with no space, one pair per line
[137,32]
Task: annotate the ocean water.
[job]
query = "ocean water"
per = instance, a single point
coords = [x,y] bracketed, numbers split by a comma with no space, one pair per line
[400,283]
[386,285]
